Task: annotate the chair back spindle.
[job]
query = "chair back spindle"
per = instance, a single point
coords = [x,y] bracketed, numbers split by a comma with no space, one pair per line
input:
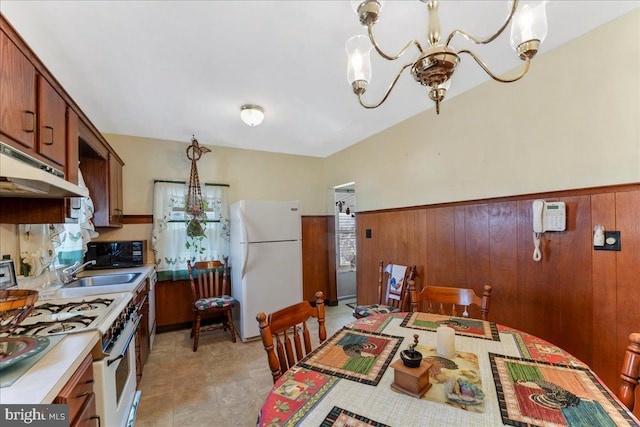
[211,296]
[436,298]
[630,374]
[288,328]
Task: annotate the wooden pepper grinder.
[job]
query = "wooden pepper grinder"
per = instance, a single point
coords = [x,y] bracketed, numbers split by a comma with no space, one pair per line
[411,373]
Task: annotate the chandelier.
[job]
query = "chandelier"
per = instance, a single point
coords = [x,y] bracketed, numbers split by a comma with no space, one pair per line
[435,64]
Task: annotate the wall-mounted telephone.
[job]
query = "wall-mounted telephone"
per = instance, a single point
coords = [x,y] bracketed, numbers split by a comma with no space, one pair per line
[547,216]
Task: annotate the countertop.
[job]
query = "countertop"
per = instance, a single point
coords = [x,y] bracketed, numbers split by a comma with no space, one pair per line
[42,382]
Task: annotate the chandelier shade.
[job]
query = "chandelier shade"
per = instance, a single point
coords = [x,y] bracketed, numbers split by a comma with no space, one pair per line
[359,53]
[435,64]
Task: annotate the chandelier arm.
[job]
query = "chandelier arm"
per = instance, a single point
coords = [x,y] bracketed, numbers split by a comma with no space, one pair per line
[527,64]
[490,38]
[389,89]
[389,57]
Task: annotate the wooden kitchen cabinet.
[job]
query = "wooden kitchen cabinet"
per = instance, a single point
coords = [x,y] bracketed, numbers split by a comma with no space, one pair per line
[115,191]
[78,394]
[71,172]
[40,119]
[102,172]
[87,416]
[17,94]
[142,334]
[33,113]
[103,177]
[52,123]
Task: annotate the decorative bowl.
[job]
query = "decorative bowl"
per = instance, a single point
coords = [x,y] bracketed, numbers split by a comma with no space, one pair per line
[15,305]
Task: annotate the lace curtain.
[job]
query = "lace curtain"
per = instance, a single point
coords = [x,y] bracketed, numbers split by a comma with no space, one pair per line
[170,243]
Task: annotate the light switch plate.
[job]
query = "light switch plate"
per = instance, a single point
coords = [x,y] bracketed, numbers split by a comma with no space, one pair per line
[611,241]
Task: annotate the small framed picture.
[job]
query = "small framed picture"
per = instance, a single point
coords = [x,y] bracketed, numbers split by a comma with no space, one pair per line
[7,274]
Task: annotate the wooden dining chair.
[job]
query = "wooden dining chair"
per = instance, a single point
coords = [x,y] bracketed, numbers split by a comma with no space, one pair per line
[393,294]
[211,297]
[283,326]
[437,297]
[630,374]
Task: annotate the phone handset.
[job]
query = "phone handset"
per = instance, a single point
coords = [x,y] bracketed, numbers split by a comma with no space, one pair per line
[538,228]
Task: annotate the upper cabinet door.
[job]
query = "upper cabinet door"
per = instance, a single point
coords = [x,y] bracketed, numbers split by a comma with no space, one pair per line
[52,138]
[17,94]
[115,192]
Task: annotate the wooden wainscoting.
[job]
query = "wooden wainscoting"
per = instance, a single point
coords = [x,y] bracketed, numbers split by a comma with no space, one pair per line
[317,246]
[173,305]
[583,300]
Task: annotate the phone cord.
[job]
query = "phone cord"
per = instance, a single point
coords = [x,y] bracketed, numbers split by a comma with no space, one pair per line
[537,255]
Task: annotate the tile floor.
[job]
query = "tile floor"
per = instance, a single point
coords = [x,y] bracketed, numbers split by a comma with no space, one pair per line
[222,384]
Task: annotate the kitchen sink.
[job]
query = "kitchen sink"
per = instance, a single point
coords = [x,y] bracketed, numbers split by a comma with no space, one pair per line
[102,280]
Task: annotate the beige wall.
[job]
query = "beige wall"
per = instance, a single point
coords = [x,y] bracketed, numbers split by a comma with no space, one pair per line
[252,175]
[572,122]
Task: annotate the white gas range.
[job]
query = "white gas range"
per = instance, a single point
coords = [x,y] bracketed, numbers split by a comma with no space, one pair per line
[116,317]
[103,313]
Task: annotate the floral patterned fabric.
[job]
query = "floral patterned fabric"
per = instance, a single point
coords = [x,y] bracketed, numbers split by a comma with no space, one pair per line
[172,245]
[369,310]
[215,302]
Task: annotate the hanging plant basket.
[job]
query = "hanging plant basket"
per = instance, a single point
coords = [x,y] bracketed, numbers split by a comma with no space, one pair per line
[195,228]
[195,205]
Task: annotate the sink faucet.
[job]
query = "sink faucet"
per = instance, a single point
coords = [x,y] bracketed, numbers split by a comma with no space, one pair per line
[69,273]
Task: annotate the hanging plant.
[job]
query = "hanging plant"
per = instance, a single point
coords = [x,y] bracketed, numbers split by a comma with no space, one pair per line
[195,228]
[195,205]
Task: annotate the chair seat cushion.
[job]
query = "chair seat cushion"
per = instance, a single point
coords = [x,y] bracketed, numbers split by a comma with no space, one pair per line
[215,302]
[368,310]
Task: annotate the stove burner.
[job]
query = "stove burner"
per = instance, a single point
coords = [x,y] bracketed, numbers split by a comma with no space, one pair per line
[71,306]
[61,327]
[55,327]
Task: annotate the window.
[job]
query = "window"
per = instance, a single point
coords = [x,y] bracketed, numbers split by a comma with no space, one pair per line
[345,229]
[346,240]
[171,245]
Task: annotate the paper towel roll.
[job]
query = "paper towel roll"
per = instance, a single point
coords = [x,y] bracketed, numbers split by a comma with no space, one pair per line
[446,341]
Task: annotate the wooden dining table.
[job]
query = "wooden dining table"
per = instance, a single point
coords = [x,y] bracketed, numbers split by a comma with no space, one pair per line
[504,377]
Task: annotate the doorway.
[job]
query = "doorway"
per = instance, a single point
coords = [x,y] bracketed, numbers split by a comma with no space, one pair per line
[345,223]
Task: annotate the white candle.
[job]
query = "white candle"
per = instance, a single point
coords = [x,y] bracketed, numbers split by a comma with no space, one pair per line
[446,341]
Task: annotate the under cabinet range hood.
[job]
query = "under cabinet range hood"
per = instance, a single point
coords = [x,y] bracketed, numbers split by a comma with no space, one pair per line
[23,176]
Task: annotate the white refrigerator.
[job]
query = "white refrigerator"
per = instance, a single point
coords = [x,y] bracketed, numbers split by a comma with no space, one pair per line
[266,260]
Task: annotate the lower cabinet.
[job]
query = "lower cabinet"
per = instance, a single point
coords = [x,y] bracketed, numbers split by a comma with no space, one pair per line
[78,394]
[87,416]
[142,334]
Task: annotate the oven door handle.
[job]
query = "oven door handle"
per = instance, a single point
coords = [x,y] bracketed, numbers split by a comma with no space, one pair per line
[126,347]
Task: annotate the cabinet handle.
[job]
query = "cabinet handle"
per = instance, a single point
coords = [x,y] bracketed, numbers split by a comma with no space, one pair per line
[30,125]
[50,142]
[95,417]
[84,393]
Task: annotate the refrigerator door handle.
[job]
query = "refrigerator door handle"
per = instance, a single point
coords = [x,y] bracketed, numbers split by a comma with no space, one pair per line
[245,251]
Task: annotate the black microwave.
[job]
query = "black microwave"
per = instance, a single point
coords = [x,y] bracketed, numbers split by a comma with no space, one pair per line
[116,254]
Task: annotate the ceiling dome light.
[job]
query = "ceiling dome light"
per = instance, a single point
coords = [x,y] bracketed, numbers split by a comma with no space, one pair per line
[251,114]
